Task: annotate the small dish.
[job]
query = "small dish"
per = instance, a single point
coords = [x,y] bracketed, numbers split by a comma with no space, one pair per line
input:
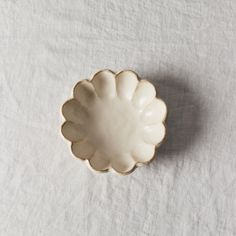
[114,121]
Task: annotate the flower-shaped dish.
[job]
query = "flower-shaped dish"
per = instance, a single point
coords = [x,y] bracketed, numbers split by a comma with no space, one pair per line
[114,121]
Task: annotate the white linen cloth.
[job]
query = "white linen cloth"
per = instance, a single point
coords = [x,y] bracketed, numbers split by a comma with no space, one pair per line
[187,48]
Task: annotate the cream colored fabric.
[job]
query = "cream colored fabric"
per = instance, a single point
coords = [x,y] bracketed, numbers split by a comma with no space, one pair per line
[186,48]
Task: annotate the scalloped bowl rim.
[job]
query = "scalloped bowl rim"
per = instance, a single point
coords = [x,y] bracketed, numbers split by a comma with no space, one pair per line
[110,168]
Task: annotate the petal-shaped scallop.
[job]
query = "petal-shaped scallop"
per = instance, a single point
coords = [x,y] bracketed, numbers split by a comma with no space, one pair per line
[72,132]
[83,150]
[73,111]
[126,83]
[105,84]
[98,162]
[85,93]
[155,112]
[143,152]
[123,163]
[154,133]
[144,94]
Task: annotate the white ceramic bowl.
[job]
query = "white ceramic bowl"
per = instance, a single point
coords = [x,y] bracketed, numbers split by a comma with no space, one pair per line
[114,121]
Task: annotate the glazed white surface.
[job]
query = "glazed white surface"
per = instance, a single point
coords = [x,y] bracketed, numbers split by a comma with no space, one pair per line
[114,121]
[186,49]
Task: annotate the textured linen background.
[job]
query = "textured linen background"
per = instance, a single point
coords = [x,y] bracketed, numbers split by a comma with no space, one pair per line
[187,48]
